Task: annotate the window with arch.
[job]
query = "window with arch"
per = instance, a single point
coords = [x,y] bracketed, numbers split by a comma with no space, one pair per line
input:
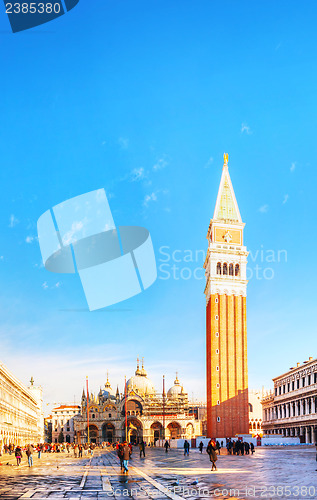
[231,269]
[225,269]
[218,268]
[237,270]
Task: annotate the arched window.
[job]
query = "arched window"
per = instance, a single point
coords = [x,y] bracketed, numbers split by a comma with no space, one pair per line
[237,270]
[231,269]
[225,269]
[93,415]
[250,407]
[218,268]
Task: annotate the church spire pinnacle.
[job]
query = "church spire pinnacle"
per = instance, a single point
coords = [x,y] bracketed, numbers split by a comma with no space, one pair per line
[107,384]
[225,159]
[226,209]
[138,371]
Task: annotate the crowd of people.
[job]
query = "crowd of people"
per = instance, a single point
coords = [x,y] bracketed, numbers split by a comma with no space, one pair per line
[239,447]
[72,449]
[124,450]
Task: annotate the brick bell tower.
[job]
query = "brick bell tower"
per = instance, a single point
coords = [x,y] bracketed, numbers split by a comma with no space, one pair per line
[226,321]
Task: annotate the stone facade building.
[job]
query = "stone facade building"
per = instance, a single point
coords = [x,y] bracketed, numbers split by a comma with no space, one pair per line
[226,323]
[150,416]
[21,411]
[255,412]
[291,408]
[62,422]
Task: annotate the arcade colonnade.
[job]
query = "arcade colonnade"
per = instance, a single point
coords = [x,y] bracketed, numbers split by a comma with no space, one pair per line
[21,413]
[137,430]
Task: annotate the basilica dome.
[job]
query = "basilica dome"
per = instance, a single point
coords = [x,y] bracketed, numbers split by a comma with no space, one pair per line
[140,383]
[107,392]
[176,390]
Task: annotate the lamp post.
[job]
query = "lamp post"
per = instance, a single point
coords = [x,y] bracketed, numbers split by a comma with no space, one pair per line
[125,408]
[163,430]
[87,410]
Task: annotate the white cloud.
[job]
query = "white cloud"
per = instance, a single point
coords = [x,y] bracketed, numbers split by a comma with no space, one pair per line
[1,257]
[45,285]
[161,163]
[57,285]
[39,266]
[286,196]
[148,198]
[13,221]
[245,128]
[123,142]
[264,209]
[29,239]
[293,166]
[209,162]
[137,174]
[68,238]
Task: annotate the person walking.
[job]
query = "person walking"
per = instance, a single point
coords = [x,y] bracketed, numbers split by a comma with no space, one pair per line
[18,455]
[252,447]
[120,455]
[211,450]
[201,446]
[186,447]
[218,447]
[229,447]
[80,451]
[166,446]
[29,454]
[242,447]
[126,456]
[142,448]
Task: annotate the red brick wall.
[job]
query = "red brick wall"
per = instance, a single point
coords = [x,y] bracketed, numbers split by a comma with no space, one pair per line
[232,362]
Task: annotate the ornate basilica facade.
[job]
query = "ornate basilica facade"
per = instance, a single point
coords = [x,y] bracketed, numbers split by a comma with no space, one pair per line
[149,415]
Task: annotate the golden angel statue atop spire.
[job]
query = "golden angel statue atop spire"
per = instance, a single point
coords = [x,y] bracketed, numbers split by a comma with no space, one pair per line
[226,158]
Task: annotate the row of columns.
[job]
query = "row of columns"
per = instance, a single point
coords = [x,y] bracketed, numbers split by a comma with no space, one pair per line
[307,433]
[296,408]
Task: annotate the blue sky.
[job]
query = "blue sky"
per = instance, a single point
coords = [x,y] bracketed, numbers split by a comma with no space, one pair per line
[142,98]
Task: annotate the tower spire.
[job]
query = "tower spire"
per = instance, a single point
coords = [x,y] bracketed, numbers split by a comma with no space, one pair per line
[226,205]
[225,159]
[226,332]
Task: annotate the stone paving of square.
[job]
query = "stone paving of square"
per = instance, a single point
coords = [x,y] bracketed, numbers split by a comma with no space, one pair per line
[269,473]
